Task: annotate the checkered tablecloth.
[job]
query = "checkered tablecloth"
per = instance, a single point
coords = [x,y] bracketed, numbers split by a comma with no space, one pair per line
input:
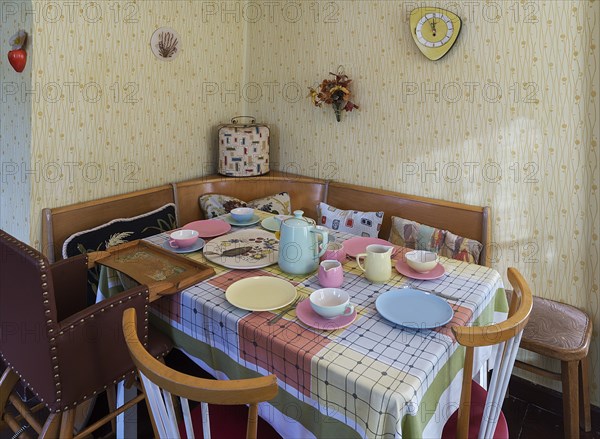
[370,379]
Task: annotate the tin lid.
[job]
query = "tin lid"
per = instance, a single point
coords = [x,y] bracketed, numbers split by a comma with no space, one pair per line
[239,122]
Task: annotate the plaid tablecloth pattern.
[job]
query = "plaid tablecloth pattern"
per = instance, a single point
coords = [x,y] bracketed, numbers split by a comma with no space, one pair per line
[370,379]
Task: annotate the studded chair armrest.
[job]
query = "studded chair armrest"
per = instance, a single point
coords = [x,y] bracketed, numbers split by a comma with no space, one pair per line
[89,347]
[70,285]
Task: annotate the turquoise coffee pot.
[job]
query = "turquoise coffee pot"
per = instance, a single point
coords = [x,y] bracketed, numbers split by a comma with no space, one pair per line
[299,251]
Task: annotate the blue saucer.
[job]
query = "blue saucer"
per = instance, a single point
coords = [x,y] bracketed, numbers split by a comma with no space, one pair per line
[192,248]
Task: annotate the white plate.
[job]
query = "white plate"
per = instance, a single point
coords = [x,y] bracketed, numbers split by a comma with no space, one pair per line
[228,250]
[260,293]
[192,248]
[414,308]
[233,222]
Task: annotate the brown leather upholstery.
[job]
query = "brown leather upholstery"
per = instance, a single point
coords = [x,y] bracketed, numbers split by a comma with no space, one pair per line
[64,351]
[557,330]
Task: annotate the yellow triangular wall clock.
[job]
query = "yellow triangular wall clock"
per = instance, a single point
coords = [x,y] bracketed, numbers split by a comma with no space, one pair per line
[434,30]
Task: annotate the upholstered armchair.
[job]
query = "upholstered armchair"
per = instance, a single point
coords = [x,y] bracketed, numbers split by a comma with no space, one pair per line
[63,350]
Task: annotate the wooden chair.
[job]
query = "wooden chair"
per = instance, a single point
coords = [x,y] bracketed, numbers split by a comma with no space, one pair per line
[479,413]
[64,351]
[161,384]
[562,332]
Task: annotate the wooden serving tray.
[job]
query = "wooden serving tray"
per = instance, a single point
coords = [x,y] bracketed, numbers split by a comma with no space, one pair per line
[162,271]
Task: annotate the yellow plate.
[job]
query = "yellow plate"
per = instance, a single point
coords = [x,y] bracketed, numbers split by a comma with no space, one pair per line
[260,293]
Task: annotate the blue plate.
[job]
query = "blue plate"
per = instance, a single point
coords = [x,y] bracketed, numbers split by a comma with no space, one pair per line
[414,308]
[192,248]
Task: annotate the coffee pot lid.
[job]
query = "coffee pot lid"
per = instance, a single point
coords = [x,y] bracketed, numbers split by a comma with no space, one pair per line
[298,220]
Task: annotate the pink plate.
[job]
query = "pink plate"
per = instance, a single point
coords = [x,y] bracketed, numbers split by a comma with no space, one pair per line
[309,317]
[209,228]
[355,246]
[405,270]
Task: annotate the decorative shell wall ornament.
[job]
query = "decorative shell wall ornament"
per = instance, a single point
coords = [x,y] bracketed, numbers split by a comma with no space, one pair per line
[165,43]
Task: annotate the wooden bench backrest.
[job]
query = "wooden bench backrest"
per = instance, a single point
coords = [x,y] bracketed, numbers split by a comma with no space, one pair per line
[61,222]
[461,219]
[305,193]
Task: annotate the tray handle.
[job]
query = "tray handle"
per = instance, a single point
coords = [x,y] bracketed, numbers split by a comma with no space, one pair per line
[234,120]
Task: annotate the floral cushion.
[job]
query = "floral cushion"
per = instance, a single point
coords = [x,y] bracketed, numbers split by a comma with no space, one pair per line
[350,221]
[121,230]
[411,234]
[460,248]
[214,205]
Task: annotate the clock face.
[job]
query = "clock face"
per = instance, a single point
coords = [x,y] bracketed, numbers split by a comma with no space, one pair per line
[434,30]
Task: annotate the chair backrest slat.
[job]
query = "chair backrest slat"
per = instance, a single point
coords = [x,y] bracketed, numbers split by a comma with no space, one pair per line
[507,337]
[161,383]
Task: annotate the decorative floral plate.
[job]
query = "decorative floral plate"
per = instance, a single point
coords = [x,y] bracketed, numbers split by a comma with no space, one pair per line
[243,250]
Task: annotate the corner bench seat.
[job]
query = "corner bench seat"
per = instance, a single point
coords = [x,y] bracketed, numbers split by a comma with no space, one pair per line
[305,194]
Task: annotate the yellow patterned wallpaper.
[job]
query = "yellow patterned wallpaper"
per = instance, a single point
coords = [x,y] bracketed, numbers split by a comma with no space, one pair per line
[509,118]
[15,127]
[111,117]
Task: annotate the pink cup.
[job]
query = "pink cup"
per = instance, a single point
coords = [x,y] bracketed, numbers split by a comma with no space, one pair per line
[334,252]
[331,274]
[183,238]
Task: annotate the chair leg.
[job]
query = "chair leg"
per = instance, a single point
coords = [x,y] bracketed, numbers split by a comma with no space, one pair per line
[8,381]
[111,398]
[585,414]
[51,426]
[67,424]
[570,381]
[251,429]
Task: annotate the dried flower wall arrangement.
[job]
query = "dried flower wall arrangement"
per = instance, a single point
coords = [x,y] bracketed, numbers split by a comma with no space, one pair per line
[334,92]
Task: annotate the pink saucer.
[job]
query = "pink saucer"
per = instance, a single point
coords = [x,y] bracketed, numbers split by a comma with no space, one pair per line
[355,246]
[405,270]
[309,317]
[209,228]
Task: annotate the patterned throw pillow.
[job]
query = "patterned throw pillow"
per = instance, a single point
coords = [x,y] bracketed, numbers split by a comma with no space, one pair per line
[121,230]
[350,221]
[411,234]
[462,249]
[214,205]
[117,232]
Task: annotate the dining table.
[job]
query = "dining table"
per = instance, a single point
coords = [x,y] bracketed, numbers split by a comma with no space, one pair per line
[367,376]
